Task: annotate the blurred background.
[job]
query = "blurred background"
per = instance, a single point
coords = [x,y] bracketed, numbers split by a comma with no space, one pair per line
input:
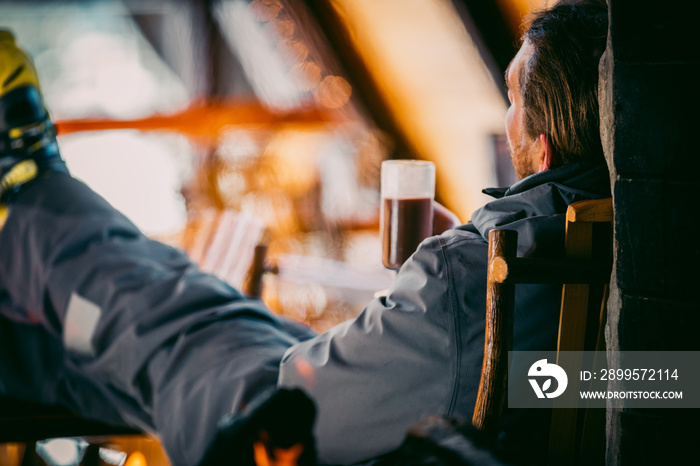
[219,125]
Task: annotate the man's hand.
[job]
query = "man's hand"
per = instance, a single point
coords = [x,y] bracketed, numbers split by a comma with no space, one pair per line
[443,219]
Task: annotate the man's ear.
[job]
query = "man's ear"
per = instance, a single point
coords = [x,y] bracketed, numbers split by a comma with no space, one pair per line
[547,158]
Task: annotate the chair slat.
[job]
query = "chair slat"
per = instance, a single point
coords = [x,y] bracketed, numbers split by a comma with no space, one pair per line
[499,337]
[596,210]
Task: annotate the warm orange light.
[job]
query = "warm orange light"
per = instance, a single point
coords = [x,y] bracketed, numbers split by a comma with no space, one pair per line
[305,369]
[515,11]
[333,92]
[204,121]
[297,51]
[284,27]
[266,10]
[136,459]
[291,159]
[261,456]
[307,75]
[276,210]
[281,456]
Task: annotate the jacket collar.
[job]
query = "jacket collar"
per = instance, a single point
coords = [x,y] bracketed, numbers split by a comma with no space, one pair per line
[571,174]
[542,195]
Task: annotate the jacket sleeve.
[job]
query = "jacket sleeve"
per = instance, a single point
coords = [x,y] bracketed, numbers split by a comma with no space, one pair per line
[373,377]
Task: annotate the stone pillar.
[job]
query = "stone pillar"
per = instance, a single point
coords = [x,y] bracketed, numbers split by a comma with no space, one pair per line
[650,108]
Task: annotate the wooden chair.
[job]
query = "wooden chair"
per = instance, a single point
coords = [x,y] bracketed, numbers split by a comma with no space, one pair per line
[230,245]
[584,273]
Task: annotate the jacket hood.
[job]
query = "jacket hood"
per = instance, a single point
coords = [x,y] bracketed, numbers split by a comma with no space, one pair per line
[543,194]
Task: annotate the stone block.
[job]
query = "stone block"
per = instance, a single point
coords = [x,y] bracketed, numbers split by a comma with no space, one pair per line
[656,121]
[645,30]
[658,436]
[656,238]
[651,324]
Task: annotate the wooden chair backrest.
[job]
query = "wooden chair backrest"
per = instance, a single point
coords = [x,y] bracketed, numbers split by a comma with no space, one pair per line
[581,323]
[230,245]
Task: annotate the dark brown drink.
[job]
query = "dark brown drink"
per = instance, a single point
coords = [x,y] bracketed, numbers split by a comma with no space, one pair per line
[406,222]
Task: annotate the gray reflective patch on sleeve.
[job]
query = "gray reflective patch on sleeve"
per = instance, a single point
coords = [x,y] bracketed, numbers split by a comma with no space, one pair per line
[79,325]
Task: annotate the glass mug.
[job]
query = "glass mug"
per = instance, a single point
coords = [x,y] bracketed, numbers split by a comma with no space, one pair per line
[408,190]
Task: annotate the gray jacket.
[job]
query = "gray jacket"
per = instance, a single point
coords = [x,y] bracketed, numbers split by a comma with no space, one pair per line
[126,330]
[418,352]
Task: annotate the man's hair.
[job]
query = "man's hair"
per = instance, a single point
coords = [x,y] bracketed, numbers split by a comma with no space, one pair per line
[559,83]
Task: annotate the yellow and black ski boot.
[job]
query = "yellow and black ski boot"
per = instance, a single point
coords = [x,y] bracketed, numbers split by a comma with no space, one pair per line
[28,146]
